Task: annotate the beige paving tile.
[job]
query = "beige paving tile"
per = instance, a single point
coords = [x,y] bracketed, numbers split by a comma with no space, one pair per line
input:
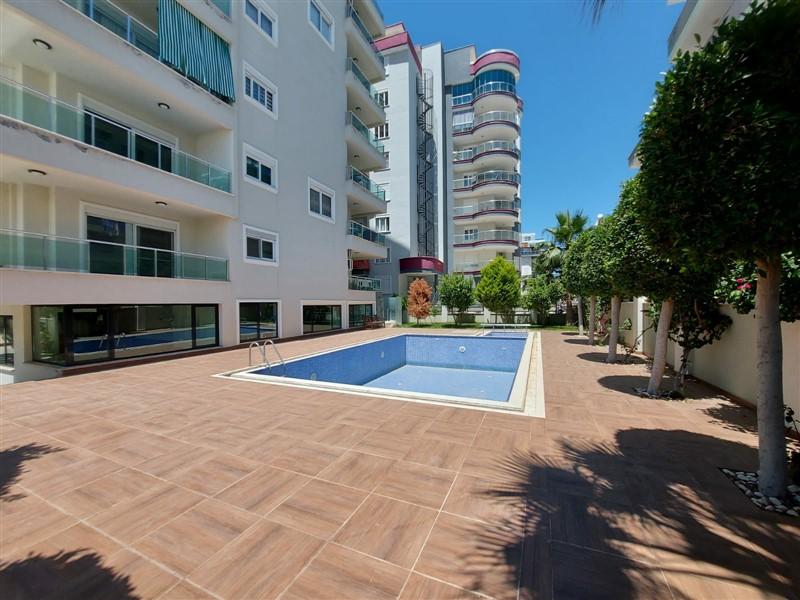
[387,444]
[105,492]
[388,529]
[341,435]
[358,470]
[259,564]
[406,424]
[502,440]
[416,483]
[29,520]
[308,458]
[437,453]
[318,508]
[186,591]
[420,587]
[457,433]
[263,490]
[146,578]
[265,447]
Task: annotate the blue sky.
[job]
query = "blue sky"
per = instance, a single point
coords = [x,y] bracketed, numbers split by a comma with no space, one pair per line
[585,86]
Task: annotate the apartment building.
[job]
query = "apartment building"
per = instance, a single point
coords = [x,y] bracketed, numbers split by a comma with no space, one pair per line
[452,136]
[181,174]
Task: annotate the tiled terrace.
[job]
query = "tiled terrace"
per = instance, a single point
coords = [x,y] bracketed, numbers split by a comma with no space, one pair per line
[159,481]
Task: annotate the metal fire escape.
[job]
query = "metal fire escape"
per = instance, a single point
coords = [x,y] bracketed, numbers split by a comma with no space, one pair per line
[426,174]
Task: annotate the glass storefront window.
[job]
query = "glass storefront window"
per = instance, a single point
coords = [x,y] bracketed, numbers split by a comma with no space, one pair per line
[258,320]
[47,329]
[6,340]
[320,318]
[206,326]
[359,313]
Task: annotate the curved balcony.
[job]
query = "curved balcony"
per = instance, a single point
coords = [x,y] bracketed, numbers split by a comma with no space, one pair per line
[487,238]
[505,212]
[492,125]
[495,154]
[490,95]
[489,182]
[498,58]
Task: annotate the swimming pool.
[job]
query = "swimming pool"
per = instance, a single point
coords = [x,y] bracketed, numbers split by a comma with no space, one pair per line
[479,369]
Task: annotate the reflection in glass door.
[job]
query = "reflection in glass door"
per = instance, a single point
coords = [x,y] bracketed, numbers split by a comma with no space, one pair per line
[108,254]
[150,262]
[91,334]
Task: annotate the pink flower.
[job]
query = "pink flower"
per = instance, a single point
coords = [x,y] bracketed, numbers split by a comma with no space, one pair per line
[739,280]
[747,286]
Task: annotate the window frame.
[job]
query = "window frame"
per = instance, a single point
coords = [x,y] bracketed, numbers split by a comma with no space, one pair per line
[248,72]
[342,306]
[384,261]
[381,94]
[7,329]
[263,158]
[328,16]
[388,224]
[382,128]
[241,301]
[315,185]
[265,236]
[263,8]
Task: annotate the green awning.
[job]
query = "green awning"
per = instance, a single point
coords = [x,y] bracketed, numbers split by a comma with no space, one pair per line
[191,48]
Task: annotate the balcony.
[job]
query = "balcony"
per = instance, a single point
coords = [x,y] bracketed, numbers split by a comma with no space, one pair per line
[497,211]
[364,284]
[50,114]
[362,96]
[366,197]
[360,44]
[469,268]
[364,242]
[491,237]
[495,154]
[492,125]
[488,182]
[364,150]
[491,95]
[38,252]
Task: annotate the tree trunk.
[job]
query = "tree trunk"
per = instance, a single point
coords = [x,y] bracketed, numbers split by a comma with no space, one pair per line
[568,310]
[660,352]
[769,348]
[592,318]
[613,337]
[580,315]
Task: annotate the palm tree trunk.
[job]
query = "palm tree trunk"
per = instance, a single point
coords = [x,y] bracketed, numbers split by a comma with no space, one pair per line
[660,352]
[592,318]
[613,336]
[580,315]
[769,347]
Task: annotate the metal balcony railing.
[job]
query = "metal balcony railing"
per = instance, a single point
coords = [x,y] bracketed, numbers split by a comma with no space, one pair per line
[470,181]
[37,109]
[491,146]
[40,252]
[358,230]
[365,284]
[120,23]
[365,182]
[491,235]
[365,131]
[501,116]
[488,87]
[351,12]
[362,79]
[486,205]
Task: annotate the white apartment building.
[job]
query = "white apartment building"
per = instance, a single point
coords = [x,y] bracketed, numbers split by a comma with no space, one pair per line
[182,174]
[452,179]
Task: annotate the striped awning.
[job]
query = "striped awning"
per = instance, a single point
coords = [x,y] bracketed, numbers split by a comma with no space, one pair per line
[193,49]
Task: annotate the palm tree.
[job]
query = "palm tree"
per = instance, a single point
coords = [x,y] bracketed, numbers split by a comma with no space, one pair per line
[568,227]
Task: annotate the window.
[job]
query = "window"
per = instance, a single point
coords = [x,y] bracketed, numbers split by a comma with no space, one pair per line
[382,224]
[258,321]
[358,313]
[260,168]
[264,19]
[382,98]
[260,91]
[260,246]
[6,340]
[388,259]
[470,234]
[319,318]
[384,187]
[320,200]
[382,131]
[321,21]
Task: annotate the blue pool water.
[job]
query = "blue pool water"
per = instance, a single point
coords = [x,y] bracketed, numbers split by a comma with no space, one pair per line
[481,367]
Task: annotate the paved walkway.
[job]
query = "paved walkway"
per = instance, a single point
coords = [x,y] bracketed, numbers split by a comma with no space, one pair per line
[159,481]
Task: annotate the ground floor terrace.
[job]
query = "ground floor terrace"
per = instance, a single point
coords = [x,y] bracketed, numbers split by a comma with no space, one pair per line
[161,481]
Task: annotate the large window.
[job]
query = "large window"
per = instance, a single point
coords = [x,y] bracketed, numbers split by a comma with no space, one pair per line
[382,98]
[264,18]
[318,318]
[153,255]
[320,200]
[260,246]
[6,340]
[358,313]
[321,21]
[382,131]
[382,224]
[261,91]
[69,335]
[258,320]
[260,168]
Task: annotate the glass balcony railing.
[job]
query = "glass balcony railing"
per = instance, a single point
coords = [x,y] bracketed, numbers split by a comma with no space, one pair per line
[494,115]
[351,12]
[491,235]
[364,284]
[37,109]
[362,79]
[487,177]
[365,131]
[365,182]
[488,87]
[119,22]
[224,6]
[358,230]
[493,146]
[468,267]
[460,211]
[38,252]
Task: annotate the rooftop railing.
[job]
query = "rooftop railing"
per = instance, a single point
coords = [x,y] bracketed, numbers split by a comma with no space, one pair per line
[365,182]
[45,112]
[491,235]
[365,131]
[364,284]
[487,177]
[351,12]
[358,230]
[39,252]
[492,146]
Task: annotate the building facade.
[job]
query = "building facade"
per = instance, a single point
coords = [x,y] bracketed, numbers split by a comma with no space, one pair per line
[179,174]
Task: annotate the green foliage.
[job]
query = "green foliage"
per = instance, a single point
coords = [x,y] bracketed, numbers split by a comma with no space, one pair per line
[456,293]
[738,287]
[541,294]
[584,268]
[498,290]
[568,228]
[719,148]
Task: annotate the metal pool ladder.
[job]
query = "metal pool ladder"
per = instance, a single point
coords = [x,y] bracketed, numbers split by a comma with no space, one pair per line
[262,348]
